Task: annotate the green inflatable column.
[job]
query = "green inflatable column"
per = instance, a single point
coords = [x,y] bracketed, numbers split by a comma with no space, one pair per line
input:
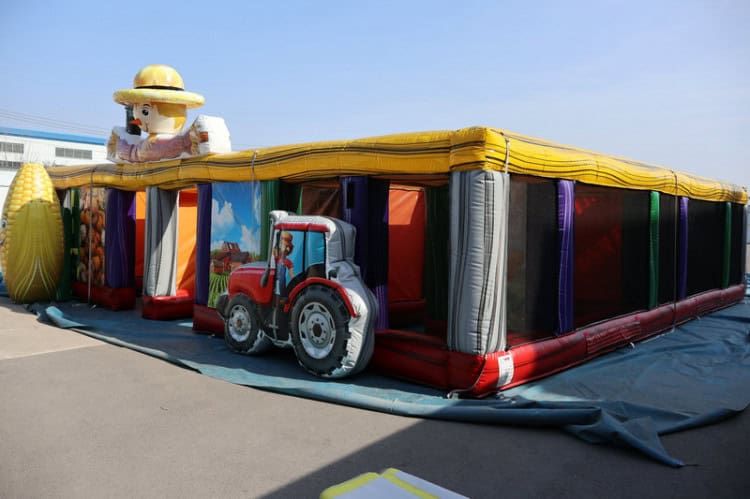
[269,201]
[653,252]
[437,236]
[727,245]
[71,217]
[65,289]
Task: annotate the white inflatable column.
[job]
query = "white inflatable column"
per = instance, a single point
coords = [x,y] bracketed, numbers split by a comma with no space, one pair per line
[478,260]
[160,254]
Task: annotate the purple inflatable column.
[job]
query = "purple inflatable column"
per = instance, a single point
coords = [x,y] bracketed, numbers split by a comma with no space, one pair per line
[119,229]
[364,204]
[203,244]
[354,210]
[565,232]
[682,251]
[377,279]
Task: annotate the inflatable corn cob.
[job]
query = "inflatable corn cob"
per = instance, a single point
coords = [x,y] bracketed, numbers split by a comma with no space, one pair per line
[31,236]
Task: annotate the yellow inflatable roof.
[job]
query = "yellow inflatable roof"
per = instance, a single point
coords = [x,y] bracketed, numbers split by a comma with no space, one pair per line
[421,153]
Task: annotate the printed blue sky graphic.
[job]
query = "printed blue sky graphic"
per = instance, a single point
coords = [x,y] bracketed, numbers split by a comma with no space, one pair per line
[235,215]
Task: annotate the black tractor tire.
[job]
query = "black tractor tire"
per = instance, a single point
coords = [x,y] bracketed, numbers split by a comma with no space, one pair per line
[242,327]
[320,332]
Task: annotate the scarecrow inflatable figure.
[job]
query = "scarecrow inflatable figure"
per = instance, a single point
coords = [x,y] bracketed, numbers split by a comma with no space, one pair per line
[158,104]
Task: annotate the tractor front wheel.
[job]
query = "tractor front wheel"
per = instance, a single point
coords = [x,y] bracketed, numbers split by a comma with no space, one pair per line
[242,331]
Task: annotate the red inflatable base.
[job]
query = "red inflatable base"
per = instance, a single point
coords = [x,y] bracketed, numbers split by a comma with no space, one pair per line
[166,308]
[426,360]
[207,320]
[406,313]
[110,298]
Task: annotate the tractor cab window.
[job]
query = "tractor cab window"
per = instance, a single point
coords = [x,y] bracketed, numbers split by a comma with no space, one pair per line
[297,255]
[315,254]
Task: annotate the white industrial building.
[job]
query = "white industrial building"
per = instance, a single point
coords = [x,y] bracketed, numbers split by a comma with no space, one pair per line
[18,146]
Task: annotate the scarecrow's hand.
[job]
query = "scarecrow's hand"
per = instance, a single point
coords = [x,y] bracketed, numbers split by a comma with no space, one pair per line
[209,134]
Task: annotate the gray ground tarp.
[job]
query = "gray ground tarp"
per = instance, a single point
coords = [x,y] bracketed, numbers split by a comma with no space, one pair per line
[695,375]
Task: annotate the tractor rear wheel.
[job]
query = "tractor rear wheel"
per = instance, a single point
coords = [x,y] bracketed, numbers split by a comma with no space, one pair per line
[320,331]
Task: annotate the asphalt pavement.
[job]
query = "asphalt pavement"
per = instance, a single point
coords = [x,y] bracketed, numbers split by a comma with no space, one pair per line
[82,418]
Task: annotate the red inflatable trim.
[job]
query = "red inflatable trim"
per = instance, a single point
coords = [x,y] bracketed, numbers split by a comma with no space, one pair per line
[207,320]
[426,360]
[406,313]
[411,356]
[166,308]
[103,296]
[325,282]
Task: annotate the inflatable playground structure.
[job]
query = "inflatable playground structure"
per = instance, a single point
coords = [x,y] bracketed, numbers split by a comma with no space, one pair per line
[471,260]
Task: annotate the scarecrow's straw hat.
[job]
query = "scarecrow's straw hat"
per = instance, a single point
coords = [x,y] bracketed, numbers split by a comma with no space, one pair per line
[158,83]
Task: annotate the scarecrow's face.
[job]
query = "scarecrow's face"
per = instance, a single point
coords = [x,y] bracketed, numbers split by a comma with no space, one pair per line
[153,121]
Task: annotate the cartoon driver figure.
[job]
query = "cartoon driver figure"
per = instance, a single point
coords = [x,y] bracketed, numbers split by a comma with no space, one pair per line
[281,253]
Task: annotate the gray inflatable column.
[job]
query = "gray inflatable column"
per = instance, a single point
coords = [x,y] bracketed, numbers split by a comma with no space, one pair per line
[478,261]
[160,255]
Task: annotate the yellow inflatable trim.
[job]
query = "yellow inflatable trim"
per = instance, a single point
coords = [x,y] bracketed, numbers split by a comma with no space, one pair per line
[422,153]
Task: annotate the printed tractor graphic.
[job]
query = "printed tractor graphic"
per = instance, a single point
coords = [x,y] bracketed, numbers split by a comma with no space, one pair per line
[308,295]
[228,258]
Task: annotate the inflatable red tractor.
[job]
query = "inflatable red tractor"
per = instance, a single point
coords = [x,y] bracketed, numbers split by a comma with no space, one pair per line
[308,296]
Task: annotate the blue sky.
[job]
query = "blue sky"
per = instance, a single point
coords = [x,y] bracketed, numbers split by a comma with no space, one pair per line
[664,82]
